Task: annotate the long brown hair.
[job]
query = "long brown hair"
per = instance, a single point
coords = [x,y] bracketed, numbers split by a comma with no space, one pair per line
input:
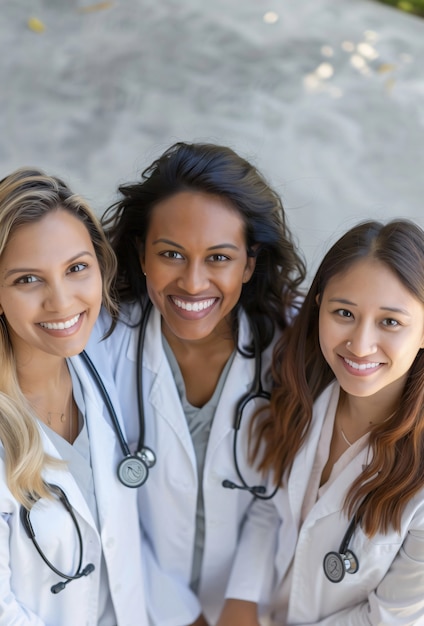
[396,471]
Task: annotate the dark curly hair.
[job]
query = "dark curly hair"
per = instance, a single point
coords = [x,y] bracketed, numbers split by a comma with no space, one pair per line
[271,293]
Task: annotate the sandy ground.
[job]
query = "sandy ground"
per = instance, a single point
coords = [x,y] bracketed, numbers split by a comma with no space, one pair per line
[325,96]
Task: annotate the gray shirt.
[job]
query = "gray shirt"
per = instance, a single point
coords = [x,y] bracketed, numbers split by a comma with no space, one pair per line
[78,459]
[199,420]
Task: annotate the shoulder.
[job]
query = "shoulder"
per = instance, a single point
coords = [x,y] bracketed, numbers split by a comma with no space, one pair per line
[129,318]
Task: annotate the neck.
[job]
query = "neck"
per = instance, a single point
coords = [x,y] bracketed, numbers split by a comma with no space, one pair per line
[356,416]
[46,383]
[370,410]
[220,340]
[44,377]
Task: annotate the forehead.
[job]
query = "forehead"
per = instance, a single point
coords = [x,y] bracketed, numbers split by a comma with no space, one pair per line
[369,281]
[56,232]
[192,215]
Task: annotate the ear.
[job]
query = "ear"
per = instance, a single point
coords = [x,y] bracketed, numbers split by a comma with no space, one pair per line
[318,299]
[141,259]
[249,268]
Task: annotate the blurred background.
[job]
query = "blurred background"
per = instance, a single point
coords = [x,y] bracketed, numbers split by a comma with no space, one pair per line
[325,97]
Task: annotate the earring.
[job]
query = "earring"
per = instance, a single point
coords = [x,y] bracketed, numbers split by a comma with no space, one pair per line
[348,344]
[144,273]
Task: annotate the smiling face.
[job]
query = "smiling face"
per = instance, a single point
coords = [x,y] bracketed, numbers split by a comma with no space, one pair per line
[196,262]
[371,328]
[50,286]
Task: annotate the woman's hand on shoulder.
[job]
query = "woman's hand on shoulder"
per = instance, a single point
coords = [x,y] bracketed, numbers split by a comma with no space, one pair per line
[239,613]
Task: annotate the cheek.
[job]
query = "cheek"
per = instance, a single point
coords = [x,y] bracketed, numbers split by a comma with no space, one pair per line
[329,336]
[156,280]
[97,290]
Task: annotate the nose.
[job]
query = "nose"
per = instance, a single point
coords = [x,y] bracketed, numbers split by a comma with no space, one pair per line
[362,341]
[58,297]
[194,278]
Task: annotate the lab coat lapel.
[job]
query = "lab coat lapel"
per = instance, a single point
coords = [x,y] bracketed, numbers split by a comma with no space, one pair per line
[66,481]
[104,448]
[332,500]
[303,463]
[163,394]
[237,384]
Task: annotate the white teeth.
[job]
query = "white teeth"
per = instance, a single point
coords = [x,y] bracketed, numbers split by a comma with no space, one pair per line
[194,306]
[361,366]
[61,325]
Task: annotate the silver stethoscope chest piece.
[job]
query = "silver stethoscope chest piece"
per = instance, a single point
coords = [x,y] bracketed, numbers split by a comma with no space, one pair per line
[132,471]
[147,456]
[336,565]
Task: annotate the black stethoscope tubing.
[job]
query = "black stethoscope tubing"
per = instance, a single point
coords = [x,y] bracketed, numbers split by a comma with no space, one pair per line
[256,392]
[26,522]
[133,469]
[337,564]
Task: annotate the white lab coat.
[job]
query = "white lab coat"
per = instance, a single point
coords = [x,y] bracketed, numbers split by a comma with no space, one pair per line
[25,581]
[236,525]
[387,589]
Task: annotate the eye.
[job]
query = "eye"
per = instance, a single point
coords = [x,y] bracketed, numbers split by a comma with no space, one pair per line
[390,322]
[172,254]
[24,280]
[218,258]
[343,313]
[78,267]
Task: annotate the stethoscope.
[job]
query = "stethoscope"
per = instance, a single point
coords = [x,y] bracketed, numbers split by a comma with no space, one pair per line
[255,392]
[26,521]
[133,470]
[337,564]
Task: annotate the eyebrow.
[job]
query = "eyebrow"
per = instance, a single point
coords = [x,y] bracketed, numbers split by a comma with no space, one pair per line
[219,246]
[34,270]
[382,308]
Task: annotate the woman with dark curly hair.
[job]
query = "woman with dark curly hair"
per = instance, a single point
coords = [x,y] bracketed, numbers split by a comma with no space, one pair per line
[203,238]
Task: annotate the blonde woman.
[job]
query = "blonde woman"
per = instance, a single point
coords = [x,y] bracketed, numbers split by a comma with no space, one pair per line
[69,541]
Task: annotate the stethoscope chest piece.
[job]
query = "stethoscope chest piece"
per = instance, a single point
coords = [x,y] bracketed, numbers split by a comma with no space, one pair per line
[337,564]
[133,471]
[147,456]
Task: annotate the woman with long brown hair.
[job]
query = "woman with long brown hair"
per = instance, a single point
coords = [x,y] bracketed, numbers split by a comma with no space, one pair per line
[345,436]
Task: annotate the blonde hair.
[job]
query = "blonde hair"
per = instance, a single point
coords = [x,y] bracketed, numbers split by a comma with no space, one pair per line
[26,196]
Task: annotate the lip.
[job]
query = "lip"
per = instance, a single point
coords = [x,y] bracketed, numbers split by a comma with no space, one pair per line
[360,367]
[63,327]
[193,308]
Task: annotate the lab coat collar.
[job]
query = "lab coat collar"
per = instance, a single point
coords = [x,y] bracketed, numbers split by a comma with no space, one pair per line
[64,479]
[102,449]
[332,500]
[239,378]
[154,359]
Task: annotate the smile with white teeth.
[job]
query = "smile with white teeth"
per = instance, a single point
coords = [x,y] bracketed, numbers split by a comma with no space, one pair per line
[201,305]
[361,366]
[61,325]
